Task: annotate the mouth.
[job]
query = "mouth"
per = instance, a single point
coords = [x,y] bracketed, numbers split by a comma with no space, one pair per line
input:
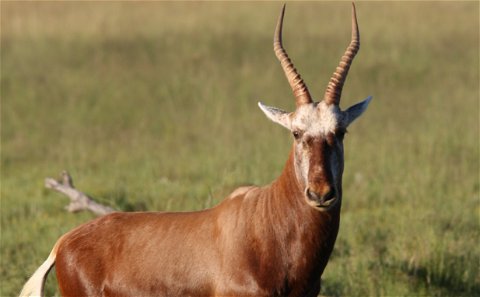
[321,202]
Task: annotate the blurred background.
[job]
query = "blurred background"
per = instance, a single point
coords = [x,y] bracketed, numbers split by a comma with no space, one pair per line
[152,106]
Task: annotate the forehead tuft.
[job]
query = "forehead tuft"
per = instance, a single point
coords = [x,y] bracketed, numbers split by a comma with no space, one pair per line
[317,119]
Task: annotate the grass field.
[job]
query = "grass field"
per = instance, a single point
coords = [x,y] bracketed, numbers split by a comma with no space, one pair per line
[153,106]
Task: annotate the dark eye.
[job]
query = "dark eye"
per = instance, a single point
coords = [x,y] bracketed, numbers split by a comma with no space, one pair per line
[297,134]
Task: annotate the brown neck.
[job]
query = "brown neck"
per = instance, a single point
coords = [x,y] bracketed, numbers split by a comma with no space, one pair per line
[304,236]
[287,185]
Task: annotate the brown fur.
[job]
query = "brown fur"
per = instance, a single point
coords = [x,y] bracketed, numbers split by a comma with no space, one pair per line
[263,242]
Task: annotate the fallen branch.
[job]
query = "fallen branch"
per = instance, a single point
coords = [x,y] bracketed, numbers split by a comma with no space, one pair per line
[78,200]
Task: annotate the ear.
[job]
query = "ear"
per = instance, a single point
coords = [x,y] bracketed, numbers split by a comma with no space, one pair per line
[277,115]
[354,111]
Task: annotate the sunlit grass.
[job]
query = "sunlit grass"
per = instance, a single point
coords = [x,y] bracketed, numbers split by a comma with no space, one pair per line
[153,106]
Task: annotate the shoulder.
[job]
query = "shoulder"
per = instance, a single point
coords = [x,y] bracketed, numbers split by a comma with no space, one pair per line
[241,191]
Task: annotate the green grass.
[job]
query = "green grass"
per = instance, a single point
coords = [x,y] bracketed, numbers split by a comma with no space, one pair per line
[153,106]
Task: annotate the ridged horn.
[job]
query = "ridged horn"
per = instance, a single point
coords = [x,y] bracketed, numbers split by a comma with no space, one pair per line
[334,88]
[300,91]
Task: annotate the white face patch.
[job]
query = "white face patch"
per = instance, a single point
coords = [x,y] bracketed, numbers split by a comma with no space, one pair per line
[315,122]
[317,119]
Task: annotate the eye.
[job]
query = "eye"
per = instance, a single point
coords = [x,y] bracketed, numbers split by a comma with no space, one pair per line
[297,134]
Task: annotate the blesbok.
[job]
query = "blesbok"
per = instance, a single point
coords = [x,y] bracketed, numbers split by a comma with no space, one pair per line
[273,240]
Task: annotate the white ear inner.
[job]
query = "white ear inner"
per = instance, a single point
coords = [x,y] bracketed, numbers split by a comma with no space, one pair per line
[276,115]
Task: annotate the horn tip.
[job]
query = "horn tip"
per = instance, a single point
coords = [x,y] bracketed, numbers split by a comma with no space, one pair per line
[355,32]
[283,8]
[277,37]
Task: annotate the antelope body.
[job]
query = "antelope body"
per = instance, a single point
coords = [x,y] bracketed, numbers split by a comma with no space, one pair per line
[261,241]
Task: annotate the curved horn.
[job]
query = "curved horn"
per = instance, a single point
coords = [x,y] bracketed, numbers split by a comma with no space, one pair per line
[334,88]
[300,91]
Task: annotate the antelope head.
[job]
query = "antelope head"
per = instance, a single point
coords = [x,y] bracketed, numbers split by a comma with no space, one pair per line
[318,128]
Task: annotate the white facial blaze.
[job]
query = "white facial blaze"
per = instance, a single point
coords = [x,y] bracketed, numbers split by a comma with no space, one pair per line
[302,164]
[317,119]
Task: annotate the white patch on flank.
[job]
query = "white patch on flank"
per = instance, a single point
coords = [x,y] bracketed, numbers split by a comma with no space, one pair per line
[317,119]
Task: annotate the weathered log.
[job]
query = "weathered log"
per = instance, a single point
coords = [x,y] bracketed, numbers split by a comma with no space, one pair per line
[78,201]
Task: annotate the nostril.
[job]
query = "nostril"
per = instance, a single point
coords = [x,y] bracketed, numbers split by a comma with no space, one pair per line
[328,196]
[319,198]
[314,196]
[311,195]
